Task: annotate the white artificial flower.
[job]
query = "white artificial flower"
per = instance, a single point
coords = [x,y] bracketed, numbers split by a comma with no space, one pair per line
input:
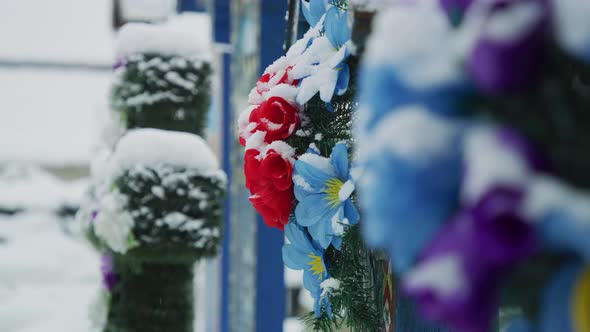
[113,223]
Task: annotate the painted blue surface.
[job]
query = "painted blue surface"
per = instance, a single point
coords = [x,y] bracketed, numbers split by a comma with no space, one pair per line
[191,6]
[226,160]
[222,21]
[270,283]
[221,31]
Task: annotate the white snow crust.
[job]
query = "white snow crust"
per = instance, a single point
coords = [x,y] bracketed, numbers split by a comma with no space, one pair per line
[489,163]
[148,10]
[187,35]
[443,275]
[397,133]
[154,146]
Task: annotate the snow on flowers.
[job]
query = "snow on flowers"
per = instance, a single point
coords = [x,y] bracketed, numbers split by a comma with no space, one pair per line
[308,195]
[323,188]
[314,64]
[467,182]
[301,253]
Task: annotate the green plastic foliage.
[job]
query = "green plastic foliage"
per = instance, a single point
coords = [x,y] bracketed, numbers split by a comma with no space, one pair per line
[164,92]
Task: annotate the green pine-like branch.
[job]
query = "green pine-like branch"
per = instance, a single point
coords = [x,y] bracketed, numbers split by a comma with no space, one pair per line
[165,92]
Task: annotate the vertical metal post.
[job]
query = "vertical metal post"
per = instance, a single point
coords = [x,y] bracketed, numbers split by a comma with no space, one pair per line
[221,30]
[292,24]
[190,6]
[270,283]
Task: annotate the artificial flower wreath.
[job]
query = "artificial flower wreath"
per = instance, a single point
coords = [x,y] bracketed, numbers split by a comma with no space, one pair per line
[297,164]
[472,137]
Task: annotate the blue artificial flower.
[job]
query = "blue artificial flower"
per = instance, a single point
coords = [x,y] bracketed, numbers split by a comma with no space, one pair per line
[313,10]
[519,325]
[341,82]
[323,188]
[303,254]
[338,33]
[333,70]
[405,205]
[381,90]
[562,232]
[322,302]
[563,305]
[572,27]
[410,184]
[336,27]
[562,219]
[343,77]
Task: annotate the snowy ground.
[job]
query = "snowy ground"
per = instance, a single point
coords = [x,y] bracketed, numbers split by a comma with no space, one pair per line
[48,279]
[49,275]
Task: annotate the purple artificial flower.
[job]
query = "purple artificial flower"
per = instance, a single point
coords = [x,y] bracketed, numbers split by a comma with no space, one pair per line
[109,277]
[509,54]
[93,216]
[513,140]
[455,8]
[120,63]
[458,277]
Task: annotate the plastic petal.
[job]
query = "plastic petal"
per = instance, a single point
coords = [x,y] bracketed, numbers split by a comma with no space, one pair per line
[321,233]
[343,80]
[336,26]
[351,212]
[294,258]
[339,159]
[313,209]
[313,10]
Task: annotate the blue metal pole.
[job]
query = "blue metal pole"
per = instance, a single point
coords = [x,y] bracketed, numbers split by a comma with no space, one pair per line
[270,283]
[226,258]
[191,6]
[222,31]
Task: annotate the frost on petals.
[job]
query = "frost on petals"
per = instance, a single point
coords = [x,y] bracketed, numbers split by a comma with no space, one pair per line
[272,77]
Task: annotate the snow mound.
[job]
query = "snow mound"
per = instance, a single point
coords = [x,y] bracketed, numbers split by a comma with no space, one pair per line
[148,10]
[155,146]
[186,35]
[39,291]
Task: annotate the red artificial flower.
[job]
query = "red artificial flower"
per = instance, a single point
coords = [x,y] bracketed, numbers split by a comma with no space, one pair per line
[269,181]
[244,126]
[269,80]
[277,117]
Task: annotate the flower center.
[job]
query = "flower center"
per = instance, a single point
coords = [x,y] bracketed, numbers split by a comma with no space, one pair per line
[316,265]
[333,187]
[580,301]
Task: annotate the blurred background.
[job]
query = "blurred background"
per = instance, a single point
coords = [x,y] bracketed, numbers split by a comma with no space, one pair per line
[56,60]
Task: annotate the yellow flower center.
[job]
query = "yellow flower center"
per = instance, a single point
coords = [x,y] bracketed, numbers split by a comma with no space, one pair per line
[333,187]
[581,302]
[316,265]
